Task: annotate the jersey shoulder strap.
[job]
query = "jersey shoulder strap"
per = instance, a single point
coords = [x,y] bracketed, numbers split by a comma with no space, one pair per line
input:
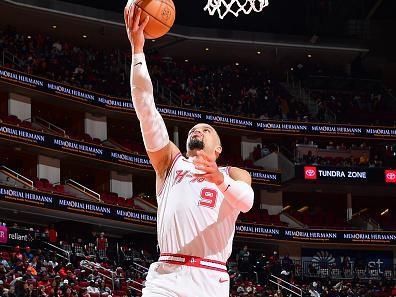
[225,170]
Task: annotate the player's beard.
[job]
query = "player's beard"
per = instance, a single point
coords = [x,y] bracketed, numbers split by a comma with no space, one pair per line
[195,144]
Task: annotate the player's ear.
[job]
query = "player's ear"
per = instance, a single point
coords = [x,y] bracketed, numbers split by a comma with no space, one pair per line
[218,151]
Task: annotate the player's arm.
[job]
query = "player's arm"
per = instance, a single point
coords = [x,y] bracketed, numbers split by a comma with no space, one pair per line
[160,149]
[237,189]
[236,186]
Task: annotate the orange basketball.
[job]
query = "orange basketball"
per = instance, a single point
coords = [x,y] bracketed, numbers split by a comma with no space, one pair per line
[162,16]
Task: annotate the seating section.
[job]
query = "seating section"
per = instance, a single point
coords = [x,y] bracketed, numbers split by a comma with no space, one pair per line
[44,185]
[206,87]
[320,219]
[114,199]
[261,216]
[73,277]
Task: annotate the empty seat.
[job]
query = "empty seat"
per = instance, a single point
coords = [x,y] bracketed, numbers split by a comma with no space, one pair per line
[59,189]
[97,141]
[26,124]
[11,119]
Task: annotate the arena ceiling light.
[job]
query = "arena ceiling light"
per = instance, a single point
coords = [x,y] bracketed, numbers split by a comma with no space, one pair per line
[385,212]
[303,209]
[54,26]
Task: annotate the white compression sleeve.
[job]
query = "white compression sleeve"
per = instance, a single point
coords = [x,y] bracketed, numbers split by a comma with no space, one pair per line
[238,193]
[155,135]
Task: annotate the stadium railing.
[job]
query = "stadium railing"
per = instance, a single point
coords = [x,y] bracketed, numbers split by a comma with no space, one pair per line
[285,285]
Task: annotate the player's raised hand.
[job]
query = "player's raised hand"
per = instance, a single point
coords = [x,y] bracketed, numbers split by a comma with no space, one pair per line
[207,164]
[134,27]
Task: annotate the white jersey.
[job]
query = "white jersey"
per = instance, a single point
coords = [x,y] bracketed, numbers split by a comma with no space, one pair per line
[193,216]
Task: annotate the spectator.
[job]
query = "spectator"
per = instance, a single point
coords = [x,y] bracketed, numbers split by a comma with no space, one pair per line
[31,272]
[256,154]
[65,286]
[27,255]
[287,264]
[78,249]
[101,244]
[94,276]
[3,271]
[3,261]
[18,265]
[119,276]
[275,264]
[363,160]
[244,262]
[346,265]
[103,289]
[309,158]
[84,292]
[261,269]
[312,269]
[314,290]
[70,276]
[93,287]
[17,255]
[20,286]
[265,151]
[52,234]
[40,256]
[285,275]
[63,271]
[44,282]
[3,291]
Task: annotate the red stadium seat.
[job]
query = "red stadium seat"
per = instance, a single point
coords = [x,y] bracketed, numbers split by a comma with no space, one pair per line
[59,189]
[26,124]
[11,119]
[97,141]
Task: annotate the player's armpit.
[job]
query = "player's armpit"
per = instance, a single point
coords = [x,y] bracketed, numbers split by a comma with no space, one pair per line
[237,189]
[162,160]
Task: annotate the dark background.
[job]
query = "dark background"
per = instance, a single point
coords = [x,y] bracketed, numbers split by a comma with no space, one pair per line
[302,17]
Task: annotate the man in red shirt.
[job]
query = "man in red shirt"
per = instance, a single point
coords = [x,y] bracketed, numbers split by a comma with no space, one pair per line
[102,244]
[52,234]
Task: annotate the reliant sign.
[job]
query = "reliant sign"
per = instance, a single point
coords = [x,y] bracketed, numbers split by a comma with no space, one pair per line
[3,234]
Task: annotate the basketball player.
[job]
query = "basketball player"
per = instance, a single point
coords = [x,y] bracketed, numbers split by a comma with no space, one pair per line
[198,202]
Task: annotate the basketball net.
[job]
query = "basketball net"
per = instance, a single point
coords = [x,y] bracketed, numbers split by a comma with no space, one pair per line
[223,7]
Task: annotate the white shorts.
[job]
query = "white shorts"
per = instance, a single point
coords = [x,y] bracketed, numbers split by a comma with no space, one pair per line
[173,280]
